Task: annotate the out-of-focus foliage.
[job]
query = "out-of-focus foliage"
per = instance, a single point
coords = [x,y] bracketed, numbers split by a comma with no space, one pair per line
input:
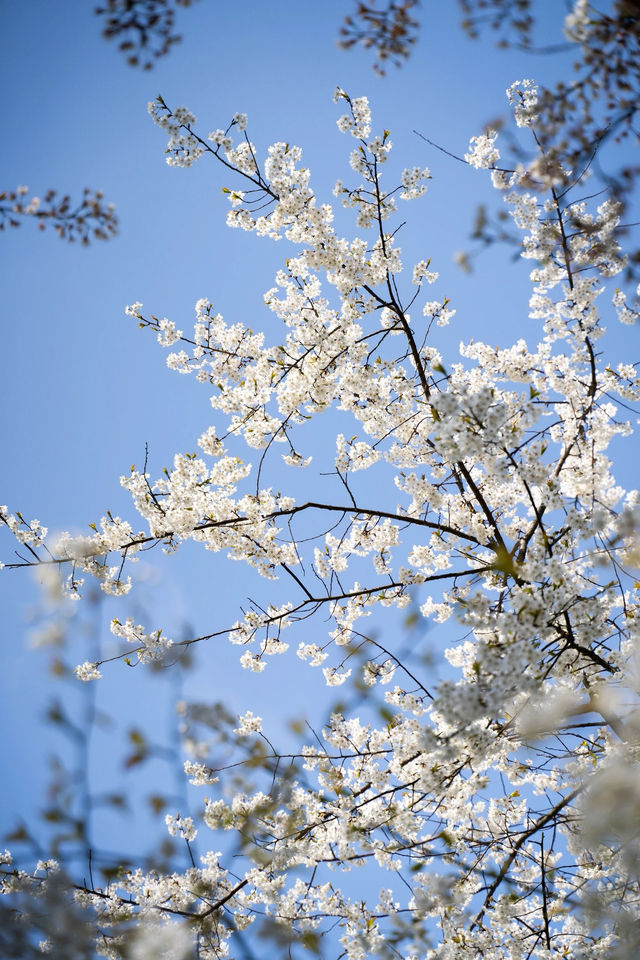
[89,219]
[391,31]
[145,29]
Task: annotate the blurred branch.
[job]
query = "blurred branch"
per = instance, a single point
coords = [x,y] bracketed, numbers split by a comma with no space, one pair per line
[391,31]
[90,219]
[145,28]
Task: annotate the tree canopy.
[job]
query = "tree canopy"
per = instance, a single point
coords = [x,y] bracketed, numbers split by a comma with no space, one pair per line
[372,477]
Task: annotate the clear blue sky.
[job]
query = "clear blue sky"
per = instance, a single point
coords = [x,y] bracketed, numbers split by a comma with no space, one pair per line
[82,389]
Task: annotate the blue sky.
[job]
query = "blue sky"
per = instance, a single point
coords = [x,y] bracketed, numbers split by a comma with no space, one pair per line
[83,390]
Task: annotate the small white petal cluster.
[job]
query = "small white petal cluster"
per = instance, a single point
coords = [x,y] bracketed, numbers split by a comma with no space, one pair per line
[440,312]
[149,647]
[483,151]
[248,724]
[358,121]
[413,182]
[576,23]
[523,97]
[167,333]
[626,314]
[87,671]
[183,147]
[421,272]
[180,827]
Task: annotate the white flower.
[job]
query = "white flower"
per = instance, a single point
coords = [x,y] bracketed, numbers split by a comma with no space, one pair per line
[483,151]
[87,671]
[253,661]
[334,677]
[412,182]
[296,460]
[576,24]
[421,272]
[181,827]
[248,724]
[523,97]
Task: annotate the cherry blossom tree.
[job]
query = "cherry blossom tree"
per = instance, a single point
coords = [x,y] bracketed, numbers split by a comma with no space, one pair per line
[493,813]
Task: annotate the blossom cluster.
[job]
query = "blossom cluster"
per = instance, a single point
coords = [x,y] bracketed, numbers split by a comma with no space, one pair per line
[483,151]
